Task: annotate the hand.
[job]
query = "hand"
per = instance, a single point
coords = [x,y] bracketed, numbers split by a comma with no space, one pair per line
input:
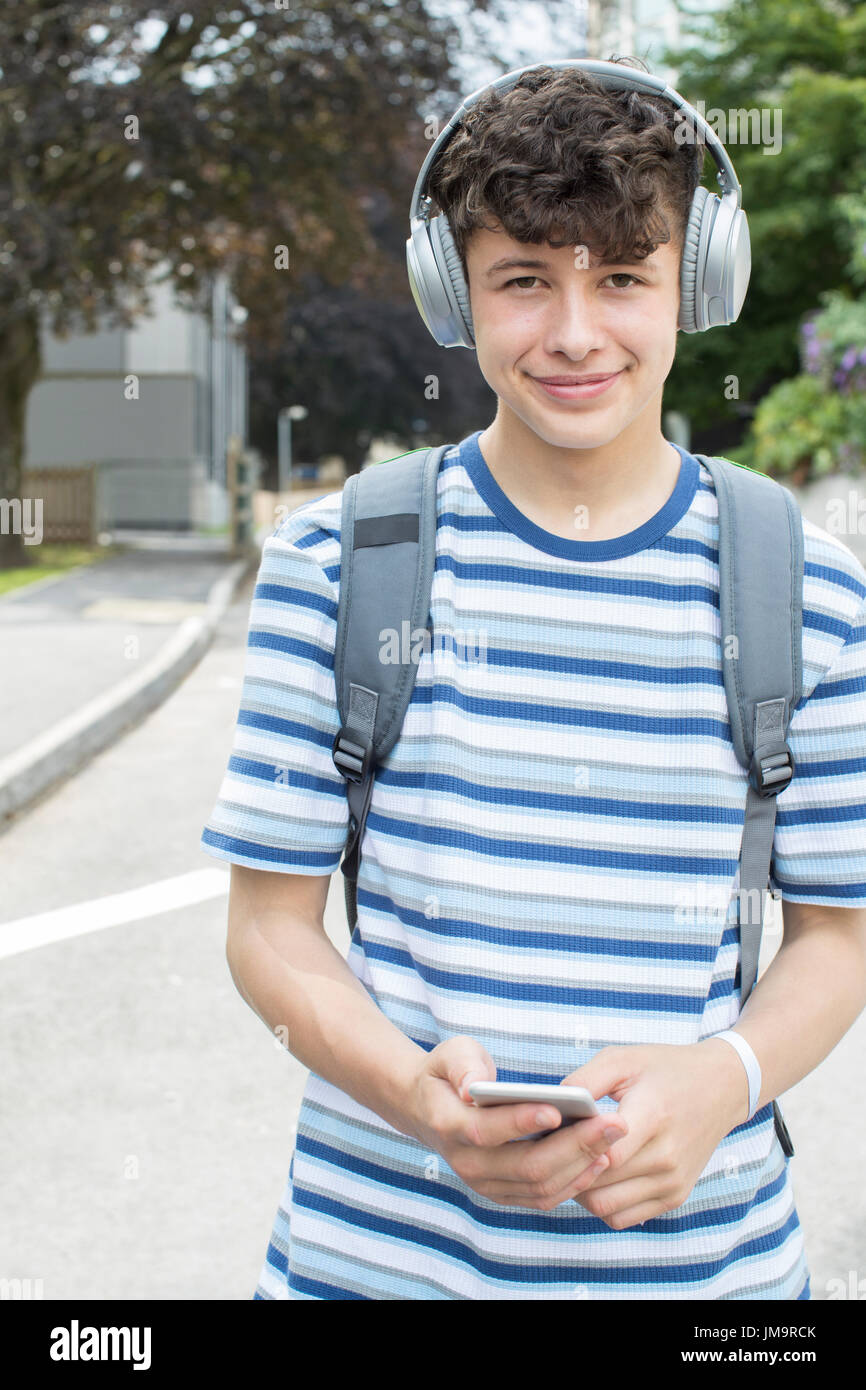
[474,1140]
[680,1102]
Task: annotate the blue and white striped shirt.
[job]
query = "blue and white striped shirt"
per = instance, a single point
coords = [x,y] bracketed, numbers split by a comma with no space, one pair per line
[539,845]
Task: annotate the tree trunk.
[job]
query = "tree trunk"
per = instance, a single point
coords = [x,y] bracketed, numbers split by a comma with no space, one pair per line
[20,365]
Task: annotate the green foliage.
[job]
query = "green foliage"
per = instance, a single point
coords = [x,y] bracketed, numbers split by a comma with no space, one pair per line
[852,207]
[200,141]
[818,419]
[802,68]
[797,423]
[834,343]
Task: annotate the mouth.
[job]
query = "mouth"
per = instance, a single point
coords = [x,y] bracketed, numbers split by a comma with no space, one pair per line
[576,388]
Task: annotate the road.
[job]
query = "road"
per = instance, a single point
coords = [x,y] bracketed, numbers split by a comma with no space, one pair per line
[148,1115]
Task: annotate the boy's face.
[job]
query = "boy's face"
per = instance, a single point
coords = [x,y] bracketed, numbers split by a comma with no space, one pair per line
[573,317]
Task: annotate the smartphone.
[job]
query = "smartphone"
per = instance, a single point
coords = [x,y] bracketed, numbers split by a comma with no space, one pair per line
[572,1102]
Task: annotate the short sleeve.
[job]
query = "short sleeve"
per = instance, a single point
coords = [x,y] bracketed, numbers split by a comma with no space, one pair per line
[282,804]
[819,848]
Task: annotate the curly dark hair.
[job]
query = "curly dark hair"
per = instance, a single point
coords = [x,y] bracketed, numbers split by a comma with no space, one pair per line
[560,152]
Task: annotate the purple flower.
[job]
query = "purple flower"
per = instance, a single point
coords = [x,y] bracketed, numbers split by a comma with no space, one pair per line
[849,358]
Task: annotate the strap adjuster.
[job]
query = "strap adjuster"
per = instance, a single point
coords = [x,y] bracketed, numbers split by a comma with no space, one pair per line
[773,773]
[351,757]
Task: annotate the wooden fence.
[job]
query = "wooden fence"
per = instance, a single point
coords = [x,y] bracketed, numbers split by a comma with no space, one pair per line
[69,506]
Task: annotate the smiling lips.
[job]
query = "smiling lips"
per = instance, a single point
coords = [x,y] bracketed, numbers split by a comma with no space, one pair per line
[576,387]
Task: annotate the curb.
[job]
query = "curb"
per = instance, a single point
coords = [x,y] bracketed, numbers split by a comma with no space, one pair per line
[72,742]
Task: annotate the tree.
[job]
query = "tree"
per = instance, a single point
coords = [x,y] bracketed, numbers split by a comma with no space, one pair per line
[203,134]
[815,423]
[365,360]
[806,61]
[355,351]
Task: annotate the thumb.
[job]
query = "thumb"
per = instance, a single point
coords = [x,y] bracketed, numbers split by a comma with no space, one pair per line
[462,1060]
[601,1075]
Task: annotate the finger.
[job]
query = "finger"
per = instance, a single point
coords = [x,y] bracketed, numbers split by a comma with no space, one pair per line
[574,1166]
[517,1196]
[617,1199]
[568,1153]
[461,1060]
[636,1216]
[642,1163]
[492,1126]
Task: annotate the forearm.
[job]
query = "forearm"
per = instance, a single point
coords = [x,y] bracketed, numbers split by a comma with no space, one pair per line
[303,989]
[803,1004]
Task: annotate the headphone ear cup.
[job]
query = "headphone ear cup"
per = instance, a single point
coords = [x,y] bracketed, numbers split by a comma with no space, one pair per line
[447,256]
[716,263]
[740,264]
[690,312]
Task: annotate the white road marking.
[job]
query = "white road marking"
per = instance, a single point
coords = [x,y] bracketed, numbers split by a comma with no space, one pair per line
[184,890]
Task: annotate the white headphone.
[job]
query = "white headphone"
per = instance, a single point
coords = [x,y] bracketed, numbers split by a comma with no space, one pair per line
[716,260]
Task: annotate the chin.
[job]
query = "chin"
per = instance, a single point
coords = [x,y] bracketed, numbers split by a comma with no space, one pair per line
[571,433]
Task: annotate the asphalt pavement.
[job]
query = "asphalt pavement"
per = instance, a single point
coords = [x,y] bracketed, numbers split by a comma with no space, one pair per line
[70,639]
[86,654]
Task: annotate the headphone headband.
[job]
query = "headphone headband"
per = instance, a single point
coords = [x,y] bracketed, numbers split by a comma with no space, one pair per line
[613,75]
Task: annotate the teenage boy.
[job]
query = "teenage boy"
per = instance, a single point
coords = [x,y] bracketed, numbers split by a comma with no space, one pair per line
[547,810]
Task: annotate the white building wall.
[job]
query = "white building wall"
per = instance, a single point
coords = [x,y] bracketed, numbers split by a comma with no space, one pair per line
[163,341]
[160,447]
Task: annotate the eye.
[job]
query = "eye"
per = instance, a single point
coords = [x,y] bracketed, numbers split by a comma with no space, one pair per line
[617,275]
[623,275]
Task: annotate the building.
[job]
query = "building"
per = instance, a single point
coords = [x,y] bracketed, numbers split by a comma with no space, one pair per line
[152,405]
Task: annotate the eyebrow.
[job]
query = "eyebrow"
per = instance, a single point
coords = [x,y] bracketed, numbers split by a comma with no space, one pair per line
[520,263]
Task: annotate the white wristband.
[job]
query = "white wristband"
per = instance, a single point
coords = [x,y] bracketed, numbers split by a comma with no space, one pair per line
[749,1061]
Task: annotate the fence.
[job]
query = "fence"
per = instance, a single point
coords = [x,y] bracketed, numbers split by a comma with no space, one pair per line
[83,500]
[69,505]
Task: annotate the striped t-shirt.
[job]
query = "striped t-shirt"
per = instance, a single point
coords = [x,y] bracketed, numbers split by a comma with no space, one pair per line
[532,841]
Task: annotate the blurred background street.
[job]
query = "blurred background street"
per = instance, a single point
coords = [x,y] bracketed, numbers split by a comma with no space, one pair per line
[205,321]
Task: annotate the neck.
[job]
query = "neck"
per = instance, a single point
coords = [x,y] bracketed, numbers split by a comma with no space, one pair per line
[597,493]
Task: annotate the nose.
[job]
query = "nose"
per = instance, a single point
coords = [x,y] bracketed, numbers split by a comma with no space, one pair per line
[573,325]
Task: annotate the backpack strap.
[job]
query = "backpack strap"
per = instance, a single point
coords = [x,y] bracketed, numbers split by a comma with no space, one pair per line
[388,540]
[761,600]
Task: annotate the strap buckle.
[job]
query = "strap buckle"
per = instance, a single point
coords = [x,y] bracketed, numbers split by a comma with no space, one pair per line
[351,756]
[772,773]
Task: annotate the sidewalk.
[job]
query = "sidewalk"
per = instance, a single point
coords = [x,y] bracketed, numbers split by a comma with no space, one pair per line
[837,498]
[88,654]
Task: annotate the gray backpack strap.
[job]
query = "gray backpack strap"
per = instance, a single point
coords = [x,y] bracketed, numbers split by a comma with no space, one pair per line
[388,536]
[761,600]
